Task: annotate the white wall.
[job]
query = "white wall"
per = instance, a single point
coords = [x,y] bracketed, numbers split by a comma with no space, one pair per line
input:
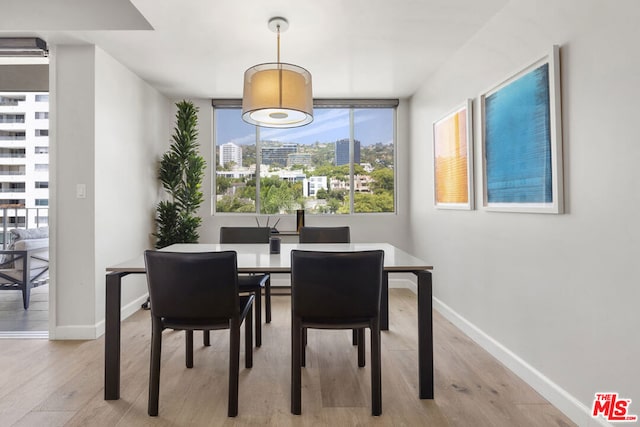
[558,293]
[131,134]
[109,130]
[72,161]
[364,228]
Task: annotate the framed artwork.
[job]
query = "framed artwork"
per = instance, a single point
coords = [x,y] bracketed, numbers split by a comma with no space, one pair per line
[522,140]
[453,159]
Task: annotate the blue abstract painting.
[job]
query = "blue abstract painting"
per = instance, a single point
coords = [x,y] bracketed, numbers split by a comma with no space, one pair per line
[518,141]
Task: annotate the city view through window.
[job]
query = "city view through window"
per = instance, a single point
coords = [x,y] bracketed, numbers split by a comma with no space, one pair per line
[341,163]
[24,161]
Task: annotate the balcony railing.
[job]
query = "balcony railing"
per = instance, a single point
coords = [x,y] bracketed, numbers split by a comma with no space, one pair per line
[20,217]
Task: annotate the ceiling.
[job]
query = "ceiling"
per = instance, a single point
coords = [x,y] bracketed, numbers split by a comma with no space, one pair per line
[201,48]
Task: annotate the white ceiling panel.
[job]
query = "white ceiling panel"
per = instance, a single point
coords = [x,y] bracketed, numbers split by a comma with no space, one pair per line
[201,48]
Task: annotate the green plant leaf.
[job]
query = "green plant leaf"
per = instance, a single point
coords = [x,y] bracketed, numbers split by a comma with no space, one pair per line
[181,172]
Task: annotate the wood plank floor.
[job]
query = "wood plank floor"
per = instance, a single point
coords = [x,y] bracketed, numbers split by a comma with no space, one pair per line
[59,383]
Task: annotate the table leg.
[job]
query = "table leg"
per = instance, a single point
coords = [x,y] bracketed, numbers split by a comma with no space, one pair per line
[425,335]
[267,301]
[384,302]
[112,337]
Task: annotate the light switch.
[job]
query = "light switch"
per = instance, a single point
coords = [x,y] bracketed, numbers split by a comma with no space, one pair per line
[81,191]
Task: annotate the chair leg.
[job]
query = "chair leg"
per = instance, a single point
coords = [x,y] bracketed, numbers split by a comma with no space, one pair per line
[154,370]
[248,340]
[296,366]
[26,295]
[258,311]
[376,369]
[303,347]
[361,347]
[354,339]
[267,300]
[206,338]
[189,348]
[234,366]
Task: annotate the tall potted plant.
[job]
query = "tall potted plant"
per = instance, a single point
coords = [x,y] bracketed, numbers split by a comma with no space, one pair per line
[181,172]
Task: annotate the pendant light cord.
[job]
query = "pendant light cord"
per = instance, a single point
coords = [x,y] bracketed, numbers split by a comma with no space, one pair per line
[278,27]
[279,70]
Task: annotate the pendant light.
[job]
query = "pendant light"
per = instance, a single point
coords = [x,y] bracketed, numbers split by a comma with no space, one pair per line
[277,94]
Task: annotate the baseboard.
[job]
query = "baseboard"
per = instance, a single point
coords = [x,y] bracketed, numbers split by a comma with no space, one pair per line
[75,332]
[90,332]
[403,284]
[556,395]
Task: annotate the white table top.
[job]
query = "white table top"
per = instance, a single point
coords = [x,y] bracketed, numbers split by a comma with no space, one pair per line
[256,257]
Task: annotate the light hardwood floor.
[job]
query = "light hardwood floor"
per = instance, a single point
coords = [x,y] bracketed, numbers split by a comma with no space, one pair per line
[59,383]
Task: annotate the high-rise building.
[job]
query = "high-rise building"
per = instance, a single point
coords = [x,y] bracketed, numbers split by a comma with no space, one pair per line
[342,152]
[230,152]
[277,154]
[24,158]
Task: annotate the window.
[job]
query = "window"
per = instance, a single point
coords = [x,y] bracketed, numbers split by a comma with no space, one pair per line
[9,135]
[42,218]
[17,221]
[11,202]
[24,169]
[12,187]
[341,163]
[11,118]
[11,100]
[12,169]
[13,152]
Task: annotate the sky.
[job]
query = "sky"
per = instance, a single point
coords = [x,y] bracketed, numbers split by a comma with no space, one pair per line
[372,125]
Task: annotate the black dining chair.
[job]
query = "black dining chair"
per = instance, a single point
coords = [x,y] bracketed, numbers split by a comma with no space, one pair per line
[324,235]
[252,283]
[336,290]
[197,291]
[340,234]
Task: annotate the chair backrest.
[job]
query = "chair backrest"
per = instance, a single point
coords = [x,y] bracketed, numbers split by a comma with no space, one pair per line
[336,285]
[324,235]
[245,234]
[192,285]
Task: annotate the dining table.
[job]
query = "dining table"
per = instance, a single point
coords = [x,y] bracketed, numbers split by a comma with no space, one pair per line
[257,258]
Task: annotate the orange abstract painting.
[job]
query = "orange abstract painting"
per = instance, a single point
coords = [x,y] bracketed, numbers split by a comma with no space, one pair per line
[452,160]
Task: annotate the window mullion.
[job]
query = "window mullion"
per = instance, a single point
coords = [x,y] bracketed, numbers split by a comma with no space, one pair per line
[258,162]
[351,160]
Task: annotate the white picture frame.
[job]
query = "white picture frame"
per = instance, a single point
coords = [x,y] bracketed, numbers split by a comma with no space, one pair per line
[453,186]
[521,133]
